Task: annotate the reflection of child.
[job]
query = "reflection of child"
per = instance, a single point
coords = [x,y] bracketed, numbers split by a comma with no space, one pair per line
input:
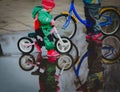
[43,24]
[91,8]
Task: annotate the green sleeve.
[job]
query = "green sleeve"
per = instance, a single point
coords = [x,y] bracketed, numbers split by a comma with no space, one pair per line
[44,17]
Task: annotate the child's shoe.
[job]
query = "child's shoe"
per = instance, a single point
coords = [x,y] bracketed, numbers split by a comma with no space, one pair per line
[38,47]
[96,36]
[52,59]
[89,36]
[52,53]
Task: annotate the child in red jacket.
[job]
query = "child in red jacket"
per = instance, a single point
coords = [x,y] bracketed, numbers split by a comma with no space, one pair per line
[43,24]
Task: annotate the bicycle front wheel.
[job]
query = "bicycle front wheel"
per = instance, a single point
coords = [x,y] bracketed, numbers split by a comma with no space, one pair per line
[70,30]
[111,48]
[63,47]
[114,20]
[65,62]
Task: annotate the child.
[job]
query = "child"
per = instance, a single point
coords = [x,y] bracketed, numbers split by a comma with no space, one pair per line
[91,8]
[43,24]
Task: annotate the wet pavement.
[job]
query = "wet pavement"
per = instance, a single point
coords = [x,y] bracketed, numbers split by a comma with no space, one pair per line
[13,79]
[32,72]
[19,74]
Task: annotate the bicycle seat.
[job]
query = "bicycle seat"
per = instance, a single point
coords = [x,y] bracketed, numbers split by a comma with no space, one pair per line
[32,34]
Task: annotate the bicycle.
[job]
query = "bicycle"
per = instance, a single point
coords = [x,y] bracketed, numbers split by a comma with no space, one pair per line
[110,51]
[67,21]
[27,62]
[26,44]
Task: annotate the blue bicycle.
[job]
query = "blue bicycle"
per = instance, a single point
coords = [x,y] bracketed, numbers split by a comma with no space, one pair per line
[110,52]
[67,21]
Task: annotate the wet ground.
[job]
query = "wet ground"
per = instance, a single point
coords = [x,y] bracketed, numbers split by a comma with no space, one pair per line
[19,74]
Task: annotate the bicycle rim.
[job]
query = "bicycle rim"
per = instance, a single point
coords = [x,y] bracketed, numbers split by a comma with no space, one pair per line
[113,47]
[70,30]
[63,49]
[65,59]
[26,61]
[113,27]
[21,45]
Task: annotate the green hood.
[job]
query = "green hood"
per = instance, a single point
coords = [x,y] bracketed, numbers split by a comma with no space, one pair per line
[35,10]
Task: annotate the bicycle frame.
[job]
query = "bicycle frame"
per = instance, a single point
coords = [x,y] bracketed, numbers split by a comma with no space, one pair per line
[54,30]
[32,35]
[72,9]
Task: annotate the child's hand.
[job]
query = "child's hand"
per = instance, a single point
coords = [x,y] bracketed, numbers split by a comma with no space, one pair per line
[52,22]
[53,30]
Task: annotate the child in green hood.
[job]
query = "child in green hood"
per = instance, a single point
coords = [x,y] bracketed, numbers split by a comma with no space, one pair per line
[43,24]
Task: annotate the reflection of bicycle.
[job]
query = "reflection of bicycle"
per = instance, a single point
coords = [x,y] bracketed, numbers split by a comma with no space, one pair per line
[67,23]
[110,51]
[43,69]
[27,61]
[26,44]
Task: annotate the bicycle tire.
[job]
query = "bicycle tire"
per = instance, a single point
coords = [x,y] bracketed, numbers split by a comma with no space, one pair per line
[63,49]
[74,53]
[115,17]
[104,61]
[23,62]
[63,59]
[70,30]
[22,48]
[114,42]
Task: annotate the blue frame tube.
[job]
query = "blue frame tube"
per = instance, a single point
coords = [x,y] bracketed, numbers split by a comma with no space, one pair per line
[76,70]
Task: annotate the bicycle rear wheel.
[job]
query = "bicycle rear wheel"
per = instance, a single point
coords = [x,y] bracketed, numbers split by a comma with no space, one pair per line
[111,48]
[26,61]
[74,53]
[22,45]
[114,25]
[70,30]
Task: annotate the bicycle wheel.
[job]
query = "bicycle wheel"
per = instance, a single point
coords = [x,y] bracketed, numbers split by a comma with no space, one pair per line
[70,30]
[112,27]
[23,45]
[64,47]
[26,61]
[65,61]
[110,47]
[74,53]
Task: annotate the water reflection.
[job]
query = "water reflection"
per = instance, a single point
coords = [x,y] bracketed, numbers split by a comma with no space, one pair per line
[112,77]
[53,79]
[54,70]
[111,50]
[45,68]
